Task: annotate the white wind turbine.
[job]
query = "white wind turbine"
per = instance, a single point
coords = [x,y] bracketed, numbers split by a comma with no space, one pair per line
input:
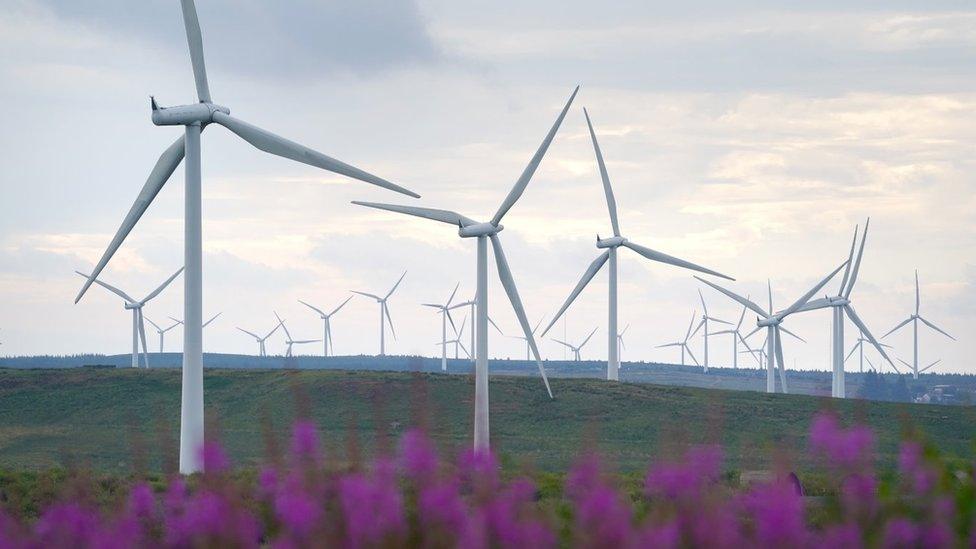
[135,305]
[384,313]
[457,340]
[841,304]
[736,338]
[327,319]
[194,118]
[522,338]
[473,303]
[205,324]
[772,321]
[610,246]
[914,320]
[684,342]
[288,339]
[160,330]
[859,347]
[620,341]
[445,311]
[483,232]
[261,348]
[703,325]
[576,348]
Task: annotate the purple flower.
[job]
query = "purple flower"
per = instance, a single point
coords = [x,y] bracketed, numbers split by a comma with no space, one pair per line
[305,446]
[418,457]
[900,532]
[214,458]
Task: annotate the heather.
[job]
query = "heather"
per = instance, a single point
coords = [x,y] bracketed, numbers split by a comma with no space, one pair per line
[415,495]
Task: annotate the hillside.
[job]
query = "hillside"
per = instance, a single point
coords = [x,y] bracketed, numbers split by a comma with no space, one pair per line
[108,417]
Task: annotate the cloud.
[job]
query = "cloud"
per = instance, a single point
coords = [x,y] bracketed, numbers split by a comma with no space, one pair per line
[304,39]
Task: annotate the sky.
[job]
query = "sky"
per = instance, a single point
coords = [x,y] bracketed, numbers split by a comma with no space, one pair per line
[750,137]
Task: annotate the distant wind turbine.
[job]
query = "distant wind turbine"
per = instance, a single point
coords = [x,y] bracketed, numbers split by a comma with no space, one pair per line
[384,312]
[914,320]
[261,349]
[610,245]
[684,342]
[772,322]
[534,330]
[736,338]
[445,311]
[160,330]
[483,232]
[859,347]
[288,339]
[205,324]
[703,325]
[620,341]
[327,319]
[576,348]
[472,303]
[194,118]
[457,340]
[135,305]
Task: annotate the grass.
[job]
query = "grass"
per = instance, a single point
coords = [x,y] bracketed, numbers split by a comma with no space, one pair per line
[119,420]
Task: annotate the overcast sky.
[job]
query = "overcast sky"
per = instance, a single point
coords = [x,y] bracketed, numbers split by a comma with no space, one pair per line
[749,137]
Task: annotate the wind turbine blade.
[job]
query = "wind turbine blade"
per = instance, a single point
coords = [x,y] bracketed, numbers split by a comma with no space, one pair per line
[450,299]
[176,320]
[584,280]
[560,342]
[279,146]
[444,216]
[154,325]
[316,309]
[713,319]
[537,324]
[654,255]
[857,262]
[195,41]
[393,289]
[252,334]
[806,297]
[819,303]
[741,318]
[891,331]
[389,320]
[328,335]
[167,163]
[110,288]
[930,365]
[738,298]
[852,314]
[744,342]
[702,298]
[909,366]
[282,324]
[690,324]
[892,365]
[142,337]
[624,331]
[463,348]
[722,332]
[782,363]
[374,296]
[692,355]
[451,320]
[464,321]
[505,274]
[756,329]
[529,170]
[214,317]
[588,338]
[918,297]
[700,324]
[307,341]
[162,286]
[341,305]
[936,328]
[854,348]
[607,190]
[782,329]
[676,344]
[850,259]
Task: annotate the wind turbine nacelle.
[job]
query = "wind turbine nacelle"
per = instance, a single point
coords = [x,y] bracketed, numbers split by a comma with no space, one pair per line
[611,242]
[185,115]
[479,229]
[838,301]
[133,306]
[766,322]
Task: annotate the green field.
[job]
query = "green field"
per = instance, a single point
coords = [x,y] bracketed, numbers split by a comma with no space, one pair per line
[118,419]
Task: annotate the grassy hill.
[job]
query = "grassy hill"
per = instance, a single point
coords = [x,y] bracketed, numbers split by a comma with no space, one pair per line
[113,419]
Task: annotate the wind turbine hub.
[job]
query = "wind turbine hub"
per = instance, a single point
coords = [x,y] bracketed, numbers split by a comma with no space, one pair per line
[611,242]
[479,229]
[771,321]
[129,306]
[185,115]
[838,301]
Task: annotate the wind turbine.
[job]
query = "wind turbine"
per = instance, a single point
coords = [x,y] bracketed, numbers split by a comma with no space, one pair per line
[457,340]
[135,305]
[534,330]
[859,346]
[326,318]
[214,317]
[620,341]
[194,118]
[289,341]
[610,245]
[703,325]
[772,321]
[261,340]
[445,311]
[161,331]
[384,313]
[684,342]
[841,304]
[922,370]
[736,338]
[472,303]
[576,348]
[483,232]
[914,320]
